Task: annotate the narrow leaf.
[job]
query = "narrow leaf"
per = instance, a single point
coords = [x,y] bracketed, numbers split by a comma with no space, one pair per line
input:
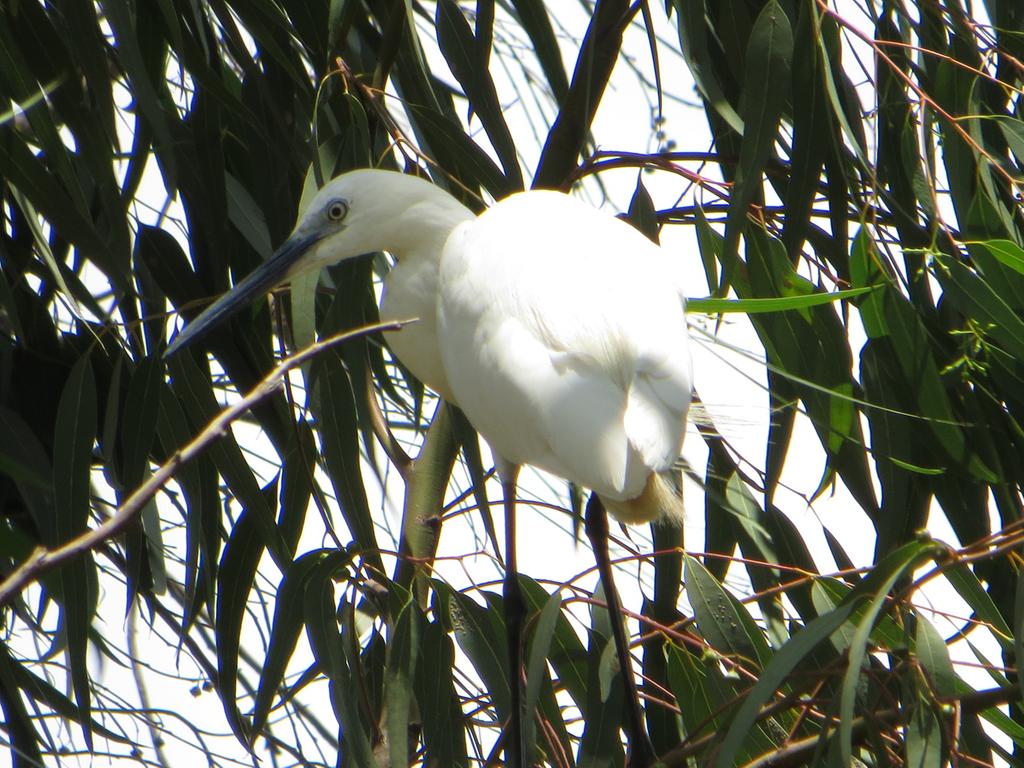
[765,90]
[399,673]
[72,461]
[287,625]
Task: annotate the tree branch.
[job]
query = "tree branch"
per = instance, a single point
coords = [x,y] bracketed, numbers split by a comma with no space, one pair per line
[43,559]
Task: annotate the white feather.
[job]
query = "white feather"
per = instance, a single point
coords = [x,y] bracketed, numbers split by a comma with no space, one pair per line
[564,340]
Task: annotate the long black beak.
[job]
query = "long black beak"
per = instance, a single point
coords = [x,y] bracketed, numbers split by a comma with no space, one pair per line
[260,281]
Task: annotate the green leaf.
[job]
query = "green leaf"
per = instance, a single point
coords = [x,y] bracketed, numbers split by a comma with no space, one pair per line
[1006,251]
[399,673]
[840,92]
[693,40]
[566,653]
[480,633]
[237,572]
[131,57]
[981,300]
[457,44]
[766,81]
[24,460]
[10,309]
[924,739]
[933,471]
[663,724]
[311,569]
[536,665]
[21,732]
[811,130]
[1018,624]
[600,745]
[865,270]
[642,214]
[710,306]
[336,407]
[876,588]
[72,461]
[697,707]
[43,693]
[192,388]
[138,430]
[910,361]
[71,290]
[425,496]
[337,656]
[720,620]
[933,656]
[873,589]
[444,725]
[247,217]
[533,16]
[198,482]
[467,160]
[297,484]
[967,585]
[829,593]
[811,349]
[710,244]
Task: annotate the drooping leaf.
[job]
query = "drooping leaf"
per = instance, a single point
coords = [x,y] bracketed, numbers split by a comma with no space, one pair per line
[765,92]
[309,570]
[399,673]
[236,573]
[444,727]
[721,620]
[72,462]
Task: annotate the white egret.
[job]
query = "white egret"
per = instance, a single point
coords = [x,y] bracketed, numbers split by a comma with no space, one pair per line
[559,330]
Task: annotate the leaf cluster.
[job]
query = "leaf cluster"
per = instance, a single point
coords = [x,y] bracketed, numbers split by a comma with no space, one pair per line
[876,159]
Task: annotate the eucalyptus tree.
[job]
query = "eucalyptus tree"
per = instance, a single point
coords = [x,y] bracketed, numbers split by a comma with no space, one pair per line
[857,203]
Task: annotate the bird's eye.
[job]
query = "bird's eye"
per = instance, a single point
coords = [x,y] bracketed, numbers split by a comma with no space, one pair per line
[337,210]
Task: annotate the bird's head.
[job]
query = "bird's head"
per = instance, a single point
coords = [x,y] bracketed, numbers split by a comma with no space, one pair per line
[359,212]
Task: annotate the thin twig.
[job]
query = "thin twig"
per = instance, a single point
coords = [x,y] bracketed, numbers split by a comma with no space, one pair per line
[43,559]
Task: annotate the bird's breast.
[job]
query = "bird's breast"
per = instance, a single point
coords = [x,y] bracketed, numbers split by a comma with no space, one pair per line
[565,343]
[410,293]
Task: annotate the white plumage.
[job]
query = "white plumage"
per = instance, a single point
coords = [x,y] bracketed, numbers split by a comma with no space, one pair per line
[564,340]
[558,329]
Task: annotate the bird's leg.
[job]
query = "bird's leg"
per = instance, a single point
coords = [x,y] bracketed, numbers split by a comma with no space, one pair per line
[641,752]
[515,613]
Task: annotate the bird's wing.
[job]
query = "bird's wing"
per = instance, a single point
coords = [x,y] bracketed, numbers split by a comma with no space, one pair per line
[564,339]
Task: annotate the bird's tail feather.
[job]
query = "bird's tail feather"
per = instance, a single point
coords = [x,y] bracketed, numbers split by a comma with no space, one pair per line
[661,499]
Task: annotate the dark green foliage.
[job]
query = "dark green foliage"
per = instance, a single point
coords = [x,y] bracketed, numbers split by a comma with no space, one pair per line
[896,186]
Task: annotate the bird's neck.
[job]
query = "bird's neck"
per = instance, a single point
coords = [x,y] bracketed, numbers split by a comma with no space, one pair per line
[419,233]
[421,229]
